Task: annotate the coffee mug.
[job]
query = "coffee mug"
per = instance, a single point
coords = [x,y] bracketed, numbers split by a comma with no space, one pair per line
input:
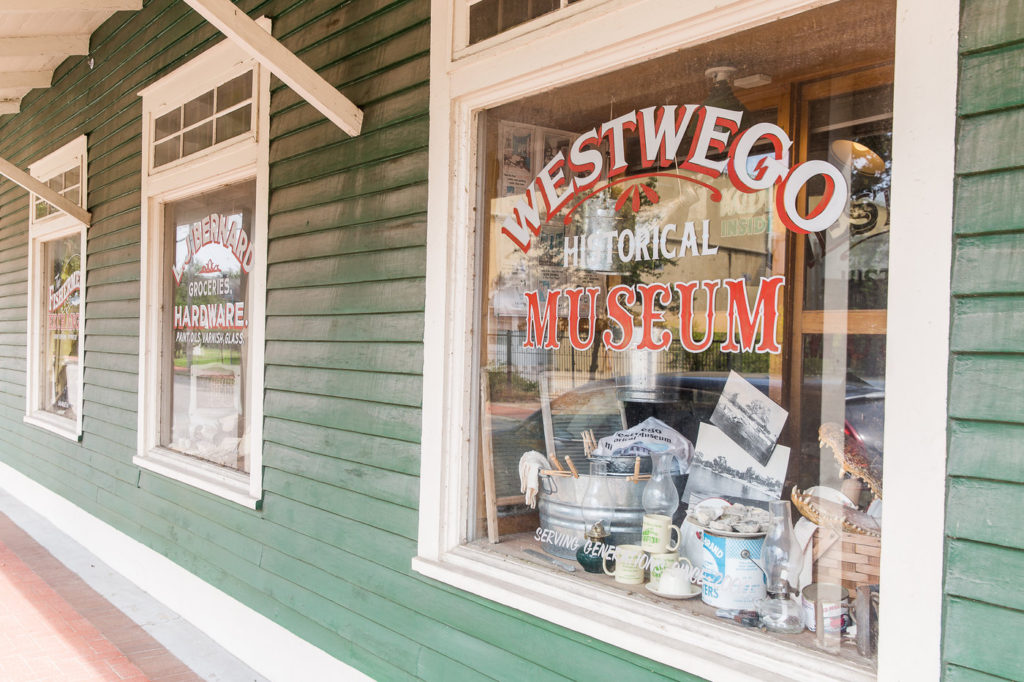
[629,564]
[675,580]
[657,531]
[659,562]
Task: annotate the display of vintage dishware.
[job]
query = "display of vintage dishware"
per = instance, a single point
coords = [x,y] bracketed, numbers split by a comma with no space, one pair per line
[675,581]
[661,561]
[656,536]
[629,565]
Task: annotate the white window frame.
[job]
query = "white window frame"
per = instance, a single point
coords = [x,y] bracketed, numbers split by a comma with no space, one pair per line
[460,21]
[245,157]
[560,52]
[42,230]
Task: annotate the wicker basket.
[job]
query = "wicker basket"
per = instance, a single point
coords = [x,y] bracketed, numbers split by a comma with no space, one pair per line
[846,558]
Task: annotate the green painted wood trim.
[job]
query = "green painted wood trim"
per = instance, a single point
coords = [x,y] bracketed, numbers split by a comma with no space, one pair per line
[990,264]
[986,450]
[990,23]
[985,573]
[992,324]
[984,637]
[986,387]
[986,511]
[977,211]
[956,673]
[992,80]
[981,144]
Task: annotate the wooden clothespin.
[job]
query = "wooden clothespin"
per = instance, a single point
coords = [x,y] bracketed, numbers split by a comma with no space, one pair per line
[636,471]
[572,467]
[554,461]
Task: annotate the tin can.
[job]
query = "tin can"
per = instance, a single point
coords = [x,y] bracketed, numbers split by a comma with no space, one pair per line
[731,579]
[835,602]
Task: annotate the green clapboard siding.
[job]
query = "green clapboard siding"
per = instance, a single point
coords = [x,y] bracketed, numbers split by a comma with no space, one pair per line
[984,606]
[328,554]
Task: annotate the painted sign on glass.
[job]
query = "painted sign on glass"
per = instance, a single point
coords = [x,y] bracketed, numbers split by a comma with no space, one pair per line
[62,382]
[211,256]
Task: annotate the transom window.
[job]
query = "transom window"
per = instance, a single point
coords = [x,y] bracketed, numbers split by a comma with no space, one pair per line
[67,183]
[219,114]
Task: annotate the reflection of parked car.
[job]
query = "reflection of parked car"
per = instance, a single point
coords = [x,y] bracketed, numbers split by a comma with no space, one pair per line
[689,400]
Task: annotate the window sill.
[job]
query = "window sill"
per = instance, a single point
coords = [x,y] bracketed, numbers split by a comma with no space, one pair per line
[65,428]
[231,485]
[667,633]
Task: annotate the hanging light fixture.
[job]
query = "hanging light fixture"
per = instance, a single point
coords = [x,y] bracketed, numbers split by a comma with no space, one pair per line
[721,94]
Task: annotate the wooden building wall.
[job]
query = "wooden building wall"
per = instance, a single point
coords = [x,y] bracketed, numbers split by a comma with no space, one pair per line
[328,554]
[984,604]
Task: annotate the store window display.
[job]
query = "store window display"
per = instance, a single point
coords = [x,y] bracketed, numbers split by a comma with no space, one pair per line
[685,265]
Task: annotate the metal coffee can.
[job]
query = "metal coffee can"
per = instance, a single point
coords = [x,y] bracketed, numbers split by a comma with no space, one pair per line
[834,599]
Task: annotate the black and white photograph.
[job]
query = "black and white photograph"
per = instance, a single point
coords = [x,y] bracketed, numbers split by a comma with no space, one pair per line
[750,418]
[720,468]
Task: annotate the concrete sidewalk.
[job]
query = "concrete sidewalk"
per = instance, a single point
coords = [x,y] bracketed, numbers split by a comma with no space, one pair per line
[64,615]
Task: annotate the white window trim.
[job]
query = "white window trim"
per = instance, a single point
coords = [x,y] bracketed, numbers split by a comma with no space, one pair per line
[54,226]
[243,158]
[917,342]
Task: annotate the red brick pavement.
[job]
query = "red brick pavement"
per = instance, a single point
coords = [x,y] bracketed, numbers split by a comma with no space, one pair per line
[53,626]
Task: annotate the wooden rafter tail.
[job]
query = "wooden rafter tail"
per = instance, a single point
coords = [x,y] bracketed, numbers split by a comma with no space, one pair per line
[44,192]
[296,74]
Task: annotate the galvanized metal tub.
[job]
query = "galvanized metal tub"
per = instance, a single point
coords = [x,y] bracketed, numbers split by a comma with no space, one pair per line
[560,512]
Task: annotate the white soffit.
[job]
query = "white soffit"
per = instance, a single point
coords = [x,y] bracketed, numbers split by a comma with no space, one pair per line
[37,35]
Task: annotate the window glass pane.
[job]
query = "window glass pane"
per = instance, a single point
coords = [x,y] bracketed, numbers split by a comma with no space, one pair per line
[56,183]
[234,91]
[167,151]
[62,297]
[209,258]
[234,123]
[654,273]
[198,109]
[167,124]
[73,176]
[197,138]
[73,195]
[855,132]
[491,17]
[42,209]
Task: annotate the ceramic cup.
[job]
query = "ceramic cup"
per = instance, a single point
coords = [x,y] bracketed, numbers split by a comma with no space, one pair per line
[659,562]
[629,564]
[657,534]
[675,580]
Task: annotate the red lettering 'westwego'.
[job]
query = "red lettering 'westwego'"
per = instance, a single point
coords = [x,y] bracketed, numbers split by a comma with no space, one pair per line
[749,329]
[661,131]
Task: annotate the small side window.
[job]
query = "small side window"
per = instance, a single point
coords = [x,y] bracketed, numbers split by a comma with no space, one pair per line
[56,324]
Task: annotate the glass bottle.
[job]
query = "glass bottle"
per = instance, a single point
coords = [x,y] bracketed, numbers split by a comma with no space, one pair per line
[660,495]
[596,505]
[779,610]
[596,510]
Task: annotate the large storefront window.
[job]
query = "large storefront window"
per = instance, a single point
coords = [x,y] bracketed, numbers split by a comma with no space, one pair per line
[683,326]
